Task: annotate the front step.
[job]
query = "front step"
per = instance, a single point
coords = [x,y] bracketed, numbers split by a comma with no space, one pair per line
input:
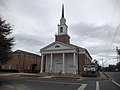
[58,74]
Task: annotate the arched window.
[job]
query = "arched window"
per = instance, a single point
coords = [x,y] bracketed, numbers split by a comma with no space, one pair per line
[57,46]
[61,29]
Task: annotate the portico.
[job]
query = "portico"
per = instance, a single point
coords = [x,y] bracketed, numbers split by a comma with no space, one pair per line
[65,62]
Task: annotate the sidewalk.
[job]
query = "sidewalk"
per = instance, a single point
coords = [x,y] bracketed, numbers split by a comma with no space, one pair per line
[103,76]
[9,74]
[17,75]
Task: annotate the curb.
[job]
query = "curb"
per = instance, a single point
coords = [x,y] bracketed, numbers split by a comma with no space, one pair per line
[107,76]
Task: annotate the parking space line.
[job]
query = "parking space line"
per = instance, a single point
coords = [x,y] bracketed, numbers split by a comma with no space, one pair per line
[97,85]
[82,87]
[116,83]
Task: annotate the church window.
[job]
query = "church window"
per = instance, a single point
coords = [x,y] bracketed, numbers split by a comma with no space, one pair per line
[61,29]
[57,46]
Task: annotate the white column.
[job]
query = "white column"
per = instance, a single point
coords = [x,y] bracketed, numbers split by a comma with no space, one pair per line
[3,66]
[46,65]
[51,62]
[74,63]
[9,67]
[41,71]
[63,71]
[28,67]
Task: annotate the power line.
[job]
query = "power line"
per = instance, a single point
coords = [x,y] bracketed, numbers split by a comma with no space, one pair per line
[113,13]
[108,35]
[113,40]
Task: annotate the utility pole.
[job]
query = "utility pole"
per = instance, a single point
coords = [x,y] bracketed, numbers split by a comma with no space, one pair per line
[118,54]
[102,64]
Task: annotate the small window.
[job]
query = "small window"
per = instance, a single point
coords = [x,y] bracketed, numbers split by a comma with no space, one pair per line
[57,46]
[61,29]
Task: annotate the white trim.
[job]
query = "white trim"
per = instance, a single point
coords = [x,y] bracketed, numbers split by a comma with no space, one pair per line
[61,51]
[52,44]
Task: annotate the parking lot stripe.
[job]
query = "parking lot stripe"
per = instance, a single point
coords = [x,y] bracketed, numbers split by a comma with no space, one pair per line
[82,87]
[97,85]
[116,83]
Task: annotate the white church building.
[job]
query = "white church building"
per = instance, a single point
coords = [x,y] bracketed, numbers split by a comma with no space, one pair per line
[61,55]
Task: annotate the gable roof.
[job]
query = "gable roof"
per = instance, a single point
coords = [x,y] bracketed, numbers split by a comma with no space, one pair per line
[24,52]
[67,45]
[77,47]
[80,48]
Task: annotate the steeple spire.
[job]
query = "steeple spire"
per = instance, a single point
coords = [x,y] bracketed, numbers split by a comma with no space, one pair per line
[62,35]
[62,20]
[62,10]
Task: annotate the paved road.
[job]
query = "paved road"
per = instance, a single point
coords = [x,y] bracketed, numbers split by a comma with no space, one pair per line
[114,75]
[50,84]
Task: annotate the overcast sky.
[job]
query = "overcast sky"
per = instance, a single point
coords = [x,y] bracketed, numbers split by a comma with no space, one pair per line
[92,24]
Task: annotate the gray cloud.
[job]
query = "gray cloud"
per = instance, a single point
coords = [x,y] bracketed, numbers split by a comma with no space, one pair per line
[2,3]
[35,23]
[97,39]
[30,42]
[90,30]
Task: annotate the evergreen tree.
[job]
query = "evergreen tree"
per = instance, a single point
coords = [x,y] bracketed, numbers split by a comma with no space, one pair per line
[118,66]
[6,42]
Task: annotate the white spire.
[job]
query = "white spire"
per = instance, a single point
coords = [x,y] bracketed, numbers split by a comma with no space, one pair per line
[62,28]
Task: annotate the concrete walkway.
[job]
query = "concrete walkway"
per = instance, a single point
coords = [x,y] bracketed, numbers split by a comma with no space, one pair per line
[47,77]
[9,74]
[103,76]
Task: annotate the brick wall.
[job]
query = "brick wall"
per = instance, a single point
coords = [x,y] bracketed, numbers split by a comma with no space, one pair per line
[82,59]
[62,38]
[23,61]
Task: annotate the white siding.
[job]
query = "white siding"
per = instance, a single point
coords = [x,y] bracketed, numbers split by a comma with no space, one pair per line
[57,62]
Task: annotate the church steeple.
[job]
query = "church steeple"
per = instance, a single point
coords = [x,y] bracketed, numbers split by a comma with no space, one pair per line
[62,20]
[62,29]
[62,10]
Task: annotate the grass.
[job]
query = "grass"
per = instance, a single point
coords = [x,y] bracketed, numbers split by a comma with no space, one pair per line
[98,74]
[91,74]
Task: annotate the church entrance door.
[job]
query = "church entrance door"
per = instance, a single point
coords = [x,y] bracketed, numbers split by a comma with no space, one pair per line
[59,67]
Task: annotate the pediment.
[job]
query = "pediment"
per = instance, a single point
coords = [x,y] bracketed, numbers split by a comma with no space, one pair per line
[57,46]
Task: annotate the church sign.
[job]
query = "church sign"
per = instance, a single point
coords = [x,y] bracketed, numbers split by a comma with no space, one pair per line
[90,67]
